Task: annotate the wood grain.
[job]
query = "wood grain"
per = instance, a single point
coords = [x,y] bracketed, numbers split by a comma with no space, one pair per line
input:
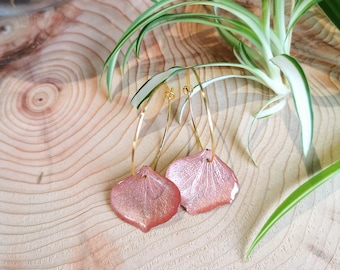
[63,146]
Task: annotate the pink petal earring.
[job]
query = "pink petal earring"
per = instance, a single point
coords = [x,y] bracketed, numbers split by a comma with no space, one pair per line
[146,199]
[204,180]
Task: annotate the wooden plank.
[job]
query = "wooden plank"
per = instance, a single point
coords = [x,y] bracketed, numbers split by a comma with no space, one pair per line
[63,146]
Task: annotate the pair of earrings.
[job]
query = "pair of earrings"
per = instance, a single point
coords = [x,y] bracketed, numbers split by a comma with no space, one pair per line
[199,182]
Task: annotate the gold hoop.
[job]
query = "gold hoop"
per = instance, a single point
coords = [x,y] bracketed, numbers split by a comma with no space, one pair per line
[187,90]
[169,95]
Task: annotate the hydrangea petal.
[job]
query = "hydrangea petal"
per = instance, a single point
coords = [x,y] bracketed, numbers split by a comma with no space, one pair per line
[145,200]
[204,183]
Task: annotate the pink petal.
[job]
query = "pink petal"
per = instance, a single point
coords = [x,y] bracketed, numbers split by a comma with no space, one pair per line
[203,184]
[146,200]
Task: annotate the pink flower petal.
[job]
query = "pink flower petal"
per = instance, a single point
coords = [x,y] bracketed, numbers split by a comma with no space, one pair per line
[203,184]
[146,200]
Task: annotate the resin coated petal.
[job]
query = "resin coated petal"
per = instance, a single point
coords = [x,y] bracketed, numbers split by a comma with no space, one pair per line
[203,184]
[147,202]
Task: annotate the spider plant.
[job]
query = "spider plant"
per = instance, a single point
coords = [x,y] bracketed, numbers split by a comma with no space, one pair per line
[262,47]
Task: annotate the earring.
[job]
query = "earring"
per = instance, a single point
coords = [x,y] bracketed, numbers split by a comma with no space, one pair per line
[204,180]
[146,199]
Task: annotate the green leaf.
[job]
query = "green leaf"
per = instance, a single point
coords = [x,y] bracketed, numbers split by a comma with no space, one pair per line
[237,27]
[300,8]
[127,54]
[294,198]
[228,36]
[109,75]
[279,23]
[151,84]
[332,10]
[301,94]
[136,25]
[267,110]
[197,88]
[266,17]
[261,76]
[243,56]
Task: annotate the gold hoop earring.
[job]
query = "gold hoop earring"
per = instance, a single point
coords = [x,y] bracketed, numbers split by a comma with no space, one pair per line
[146,199]
[204,180]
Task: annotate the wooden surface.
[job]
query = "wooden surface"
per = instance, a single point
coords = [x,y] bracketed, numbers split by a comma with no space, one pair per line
[63,146]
